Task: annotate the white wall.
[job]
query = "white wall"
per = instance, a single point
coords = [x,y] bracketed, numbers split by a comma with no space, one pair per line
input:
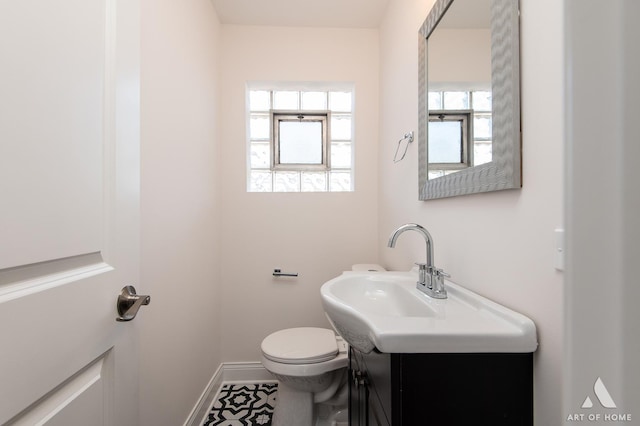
[180,329]
[497,244]
[317,235]
[603,206]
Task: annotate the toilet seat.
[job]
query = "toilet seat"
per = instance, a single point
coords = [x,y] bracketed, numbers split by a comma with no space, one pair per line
[325,352]
[303,345]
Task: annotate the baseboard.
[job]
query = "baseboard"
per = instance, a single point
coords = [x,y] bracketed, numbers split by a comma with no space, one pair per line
[245,372]
[206,399]
[235,372]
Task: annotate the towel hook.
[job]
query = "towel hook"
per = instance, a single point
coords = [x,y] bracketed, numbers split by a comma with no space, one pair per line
[409,138]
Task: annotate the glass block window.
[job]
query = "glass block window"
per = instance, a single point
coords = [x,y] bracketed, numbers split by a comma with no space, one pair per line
[479,102]
[300,140]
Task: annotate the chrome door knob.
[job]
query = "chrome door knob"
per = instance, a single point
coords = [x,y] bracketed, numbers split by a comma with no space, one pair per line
[129,302]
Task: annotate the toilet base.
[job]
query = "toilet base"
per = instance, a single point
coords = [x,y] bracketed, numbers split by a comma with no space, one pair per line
[331,415]
[293,408]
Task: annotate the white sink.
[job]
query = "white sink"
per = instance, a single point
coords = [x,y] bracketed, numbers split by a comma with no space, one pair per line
[384,310]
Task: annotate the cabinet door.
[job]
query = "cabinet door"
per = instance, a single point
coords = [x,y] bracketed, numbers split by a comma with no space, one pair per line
[375,415]
[365,408]
[357,394]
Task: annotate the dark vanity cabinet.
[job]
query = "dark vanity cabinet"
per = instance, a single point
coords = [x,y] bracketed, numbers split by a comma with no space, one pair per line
[493,389]
[366,386]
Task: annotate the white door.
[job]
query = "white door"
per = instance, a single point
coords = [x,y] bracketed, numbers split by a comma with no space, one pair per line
[69,172]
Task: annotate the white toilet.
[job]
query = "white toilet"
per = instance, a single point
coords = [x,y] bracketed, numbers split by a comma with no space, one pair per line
[310,365]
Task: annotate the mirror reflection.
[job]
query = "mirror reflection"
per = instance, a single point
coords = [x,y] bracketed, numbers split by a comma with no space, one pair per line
[469,98]
[459,96]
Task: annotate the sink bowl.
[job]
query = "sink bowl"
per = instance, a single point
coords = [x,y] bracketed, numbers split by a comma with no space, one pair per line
[384,310]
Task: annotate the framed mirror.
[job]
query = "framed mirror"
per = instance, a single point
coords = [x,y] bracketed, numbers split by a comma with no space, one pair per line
[469,65]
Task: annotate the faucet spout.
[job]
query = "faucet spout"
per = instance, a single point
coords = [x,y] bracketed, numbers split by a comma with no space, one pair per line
[421,230]
[430,279]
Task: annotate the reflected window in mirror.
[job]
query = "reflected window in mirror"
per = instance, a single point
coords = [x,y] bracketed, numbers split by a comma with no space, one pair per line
[444,106]
[451,141]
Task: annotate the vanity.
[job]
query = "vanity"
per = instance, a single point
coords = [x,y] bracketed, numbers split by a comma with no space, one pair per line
[418,360]
[440,389]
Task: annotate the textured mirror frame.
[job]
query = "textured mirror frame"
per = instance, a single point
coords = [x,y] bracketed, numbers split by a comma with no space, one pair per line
[505,169]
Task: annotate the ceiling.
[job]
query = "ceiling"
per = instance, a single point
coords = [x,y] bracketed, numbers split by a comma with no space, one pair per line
[302,13]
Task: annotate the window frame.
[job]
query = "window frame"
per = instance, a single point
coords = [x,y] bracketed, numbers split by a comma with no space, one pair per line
[277,116]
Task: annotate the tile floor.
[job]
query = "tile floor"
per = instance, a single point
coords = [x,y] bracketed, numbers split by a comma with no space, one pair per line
[243,404]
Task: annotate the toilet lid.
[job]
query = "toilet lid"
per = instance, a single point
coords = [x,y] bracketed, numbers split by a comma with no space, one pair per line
[305,345]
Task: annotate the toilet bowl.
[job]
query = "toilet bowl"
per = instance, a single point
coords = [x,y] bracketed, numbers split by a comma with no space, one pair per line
[310,365]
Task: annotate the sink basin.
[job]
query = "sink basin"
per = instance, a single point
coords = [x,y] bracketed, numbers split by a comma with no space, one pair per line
[384,310]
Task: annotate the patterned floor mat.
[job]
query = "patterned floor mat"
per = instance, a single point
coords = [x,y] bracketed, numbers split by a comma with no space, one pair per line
[243,405]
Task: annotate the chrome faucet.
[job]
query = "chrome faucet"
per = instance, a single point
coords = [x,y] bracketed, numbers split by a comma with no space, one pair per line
[430,279]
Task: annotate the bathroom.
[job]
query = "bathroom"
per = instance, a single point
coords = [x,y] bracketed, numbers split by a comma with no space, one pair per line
[209,243]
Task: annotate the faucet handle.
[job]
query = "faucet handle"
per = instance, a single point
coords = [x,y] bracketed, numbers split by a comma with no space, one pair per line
[423,267]
[438,289]
[424,274]
[441,273]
